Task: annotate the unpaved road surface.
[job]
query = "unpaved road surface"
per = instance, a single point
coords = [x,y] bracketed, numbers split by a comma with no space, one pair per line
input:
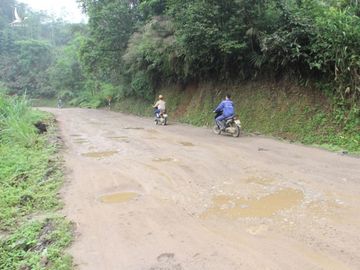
[178,197]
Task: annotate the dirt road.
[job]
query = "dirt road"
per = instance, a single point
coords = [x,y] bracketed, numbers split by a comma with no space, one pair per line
[178,197]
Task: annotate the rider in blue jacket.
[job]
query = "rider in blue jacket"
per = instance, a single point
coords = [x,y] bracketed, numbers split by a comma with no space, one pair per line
[226,108]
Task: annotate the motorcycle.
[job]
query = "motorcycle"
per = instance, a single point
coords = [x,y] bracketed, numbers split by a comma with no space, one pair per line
[161,118]
[232,126]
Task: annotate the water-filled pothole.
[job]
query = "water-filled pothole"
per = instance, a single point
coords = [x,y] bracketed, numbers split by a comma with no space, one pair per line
[99,154]
[236,207]
[118,197]
[118,137]
[164,159]
[124,139]
[80,141]
[154,131]
[135,128]
[186,143]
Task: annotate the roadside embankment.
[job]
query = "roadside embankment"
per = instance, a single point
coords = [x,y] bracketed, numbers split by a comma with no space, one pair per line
[32,234]
[282,110]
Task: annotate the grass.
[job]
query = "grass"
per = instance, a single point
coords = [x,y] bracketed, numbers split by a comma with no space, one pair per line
[30,177]
[37,245]
[281,110]
[44,102]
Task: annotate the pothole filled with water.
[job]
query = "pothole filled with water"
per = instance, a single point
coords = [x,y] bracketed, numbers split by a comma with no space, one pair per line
[99,154]
[118,137]
[165,160]
[233,207]
[118,197]
[124,139]
[135,128]
[154,131]
[186,143]
[80,141]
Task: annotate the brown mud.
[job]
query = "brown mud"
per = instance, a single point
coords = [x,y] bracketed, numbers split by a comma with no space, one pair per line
[178,197]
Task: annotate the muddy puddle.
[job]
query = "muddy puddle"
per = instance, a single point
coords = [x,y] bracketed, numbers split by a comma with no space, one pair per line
[186,144]
[99,154]
[120,138]
[80,141]
[165,160]
[134,128]
[95,123]
[118,197]
[153,131]
[233,207]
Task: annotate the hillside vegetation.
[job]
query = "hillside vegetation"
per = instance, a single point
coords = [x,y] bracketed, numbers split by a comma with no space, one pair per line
[282,110]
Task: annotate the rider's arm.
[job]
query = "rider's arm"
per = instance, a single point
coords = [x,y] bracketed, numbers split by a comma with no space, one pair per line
[220,107]
[156,104]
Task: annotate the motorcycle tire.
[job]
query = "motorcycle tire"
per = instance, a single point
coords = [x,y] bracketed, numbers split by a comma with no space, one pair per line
[237,131]
[216,130]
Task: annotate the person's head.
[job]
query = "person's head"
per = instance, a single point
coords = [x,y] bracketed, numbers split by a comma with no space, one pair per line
[161,97]
[228,96]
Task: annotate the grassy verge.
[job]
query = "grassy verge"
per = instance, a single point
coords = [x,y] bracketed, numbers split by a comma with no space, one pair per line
[282,110]
[44,102]
[32,236]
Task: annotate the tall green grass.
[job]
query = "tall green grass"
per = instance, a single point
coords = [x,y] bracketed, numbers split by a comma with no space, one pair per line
[16,121]
[30,178]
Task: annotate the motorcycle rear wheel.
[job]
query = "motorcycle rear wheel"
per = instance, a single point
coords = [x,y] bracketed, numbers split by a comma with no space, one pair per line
[237,131]
[216,130]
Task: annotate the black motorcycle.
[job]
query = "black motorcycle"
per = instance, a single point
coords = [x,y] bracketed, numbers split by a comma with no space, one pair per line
[161,118]
[232,126]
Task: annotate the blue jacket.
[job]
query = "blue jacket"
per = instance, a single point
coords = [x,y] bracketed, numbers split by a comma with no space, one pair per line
[227,107]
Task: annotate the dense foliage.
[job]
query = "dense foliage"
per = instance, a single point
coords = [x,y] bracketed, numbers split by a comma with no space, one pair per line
[28,50]
[155,41]
[129,48]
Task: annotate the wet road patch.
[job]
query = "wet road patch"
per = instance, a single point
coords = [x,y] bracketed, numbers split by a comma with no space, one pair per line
[124,139]
[80,141]
[99,154]
[118,137]
[186,144]
[165,160]
[134,128]
[120,197]
[233,207]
